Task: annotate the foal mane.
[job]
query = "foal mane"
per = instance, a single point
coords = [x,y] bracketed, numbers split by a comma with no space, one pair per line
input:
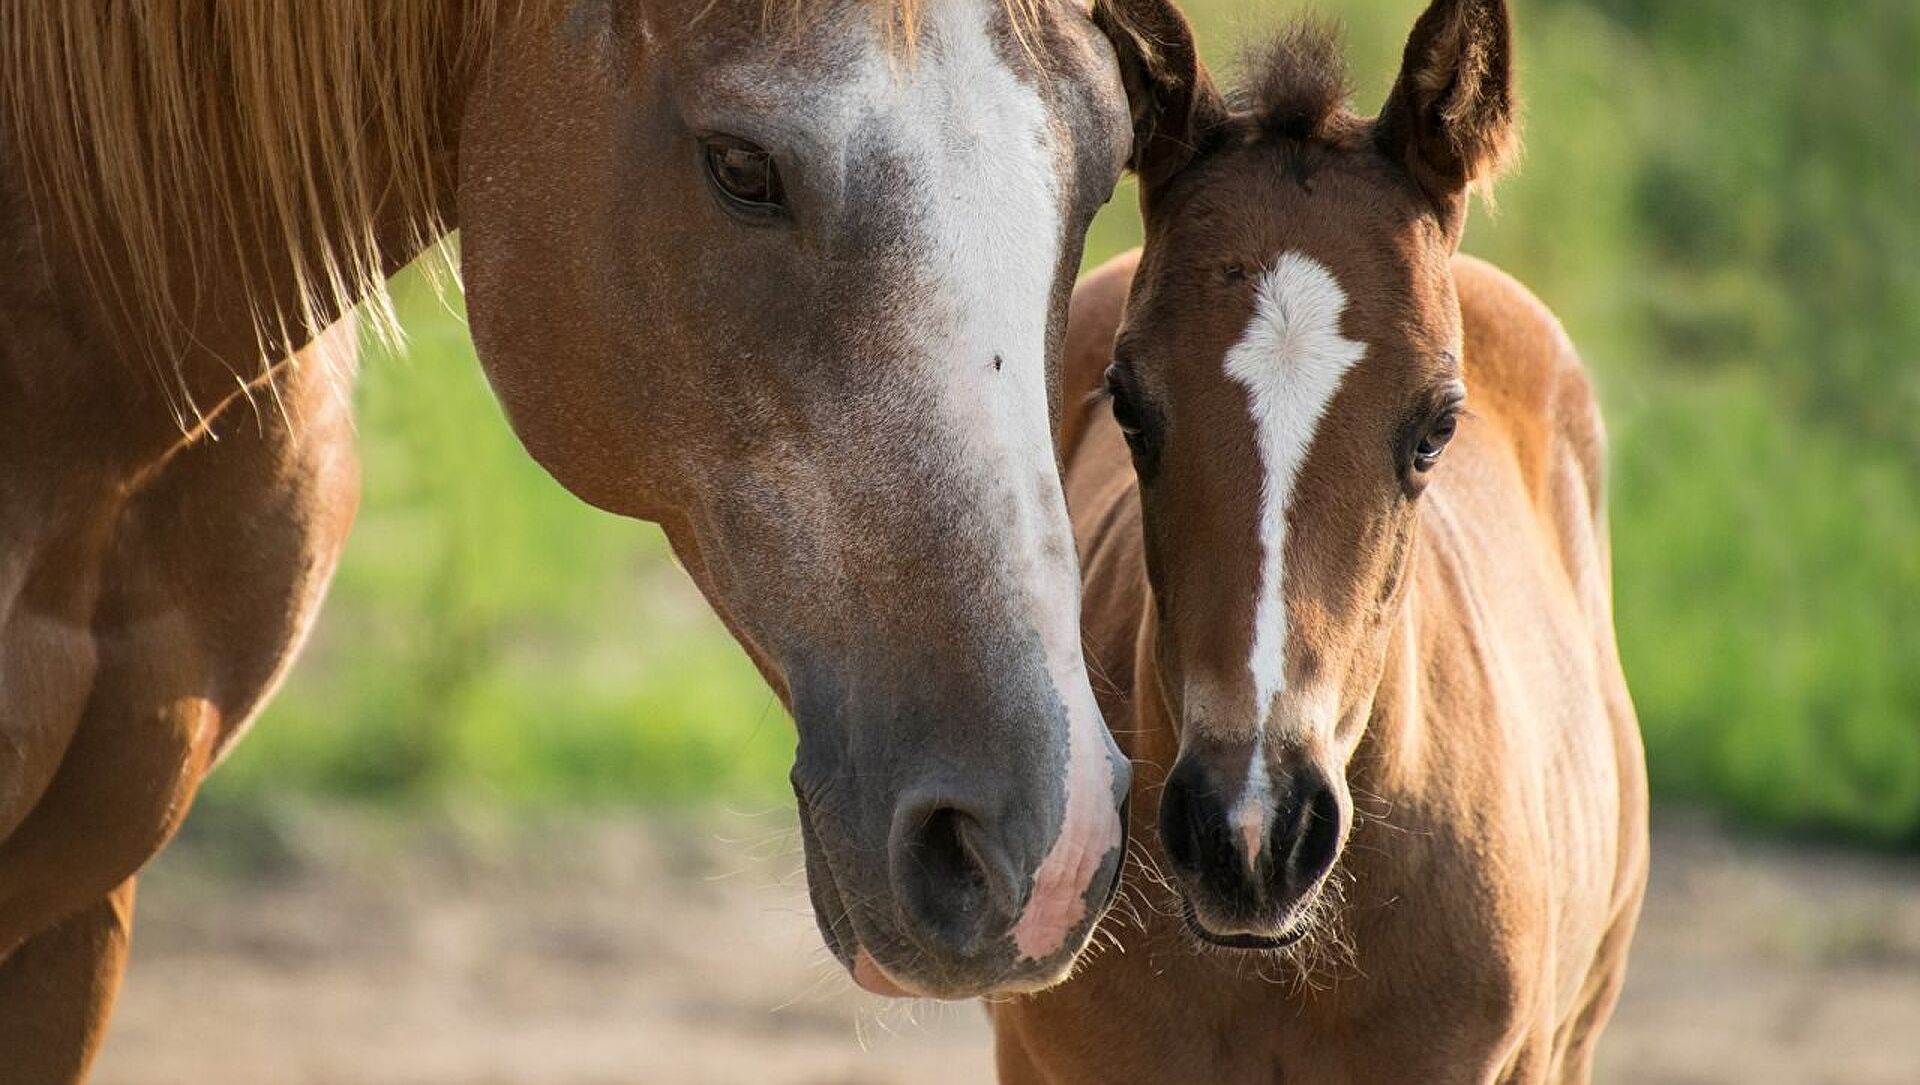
[1293,89]
[1293,86]
[165,131]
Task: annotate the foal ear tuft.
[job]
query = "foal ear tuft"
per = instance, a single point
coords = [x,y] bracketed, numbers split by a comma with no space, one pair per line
[1175,105]
[1450,117]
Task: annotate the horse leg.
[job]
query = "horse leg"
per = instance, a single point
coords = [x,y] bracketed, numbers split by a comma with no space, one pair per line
[129,775]
[57,989]
[49,586]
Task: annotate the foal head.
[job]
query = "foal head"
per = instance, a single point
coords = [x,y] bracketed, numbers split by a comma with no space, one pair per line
[790,277]
[1288,374]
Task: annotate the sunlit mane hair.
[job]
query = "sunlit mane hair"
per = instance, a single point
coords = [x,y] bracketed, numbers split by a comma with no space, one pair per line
[131,115]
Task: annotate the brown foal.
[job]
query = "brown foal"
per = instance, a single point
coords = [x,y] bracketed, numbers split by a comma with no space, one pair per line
[1346,572]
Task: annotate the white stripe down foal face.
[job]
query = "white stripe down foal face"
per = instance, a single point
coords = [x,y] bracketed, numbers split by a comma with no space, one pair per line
[1291,362]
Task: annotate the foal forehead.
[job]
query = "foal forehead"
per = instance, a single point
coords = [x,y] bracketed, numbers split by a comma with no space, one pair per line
[1231,230]
[1346,207]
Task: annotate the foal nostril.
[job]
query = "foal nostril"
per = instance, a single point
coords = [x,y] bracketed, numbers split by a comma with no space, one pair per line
[1310,839]
[1206,834]
[955,878]
[1192,823]
[1201,842]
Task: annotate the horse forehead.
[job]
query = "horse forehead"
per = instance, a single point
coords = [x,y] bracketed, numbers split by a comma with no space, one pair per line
[954,156]
[967,77]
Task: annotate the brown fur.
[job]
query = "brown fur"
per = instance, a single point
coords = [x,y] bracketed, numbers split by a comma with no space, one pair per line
[1476,923]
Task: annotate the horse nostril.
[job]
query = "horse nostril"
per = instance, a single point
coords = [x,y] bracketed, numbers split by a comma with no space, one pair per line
[1198,839]
[956,879]
[1310,840]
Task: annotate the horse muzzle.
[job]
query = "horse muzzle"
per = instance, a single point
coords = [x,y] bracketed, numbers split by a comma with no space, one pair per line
[954,912]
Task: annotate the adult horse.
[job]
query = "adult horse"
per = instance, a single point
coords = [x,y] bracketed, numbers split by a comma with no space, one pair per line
[789,280]
[1345,553]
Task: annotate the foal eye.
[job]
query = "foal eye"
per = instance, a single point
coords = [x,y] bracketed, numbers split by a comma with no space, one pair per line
[1125,415]
[745,176]
[1427,453]
[1135,418]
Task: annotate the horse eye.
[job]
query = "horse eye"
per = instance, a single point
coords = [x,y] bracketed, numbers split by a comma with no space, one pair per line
[745,176]
[1427,453]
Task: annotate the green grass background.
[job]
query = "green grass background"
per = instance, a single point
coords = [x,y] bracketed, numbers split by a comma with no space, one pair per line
[1721,198]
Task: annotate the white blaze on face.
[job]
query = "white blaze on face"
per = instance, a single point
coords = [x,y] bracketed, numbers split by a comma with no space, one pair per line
[1291,361]
[982,154]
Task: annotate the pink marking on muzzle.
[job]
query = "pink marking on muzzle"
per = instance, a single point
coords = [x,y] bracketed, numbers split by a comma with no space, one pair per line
[1089,832]
[1251,819]
[874,979]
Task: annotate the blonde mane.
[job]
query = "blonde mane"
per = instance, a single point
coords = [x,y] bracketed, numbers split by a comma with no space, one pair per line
[165,132]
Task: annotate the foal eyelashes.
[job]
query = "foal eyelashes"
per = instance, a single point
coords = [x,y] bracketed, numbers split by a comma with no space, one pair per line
[1138,421]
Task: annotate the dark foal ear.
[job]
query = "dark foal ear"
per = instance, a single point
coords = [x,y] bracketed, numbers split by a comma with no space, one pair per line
[1175,106]
[1450,116]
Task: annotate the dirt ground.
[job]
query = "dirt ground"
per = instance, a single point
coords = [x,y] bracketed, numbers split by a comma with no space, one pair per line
[681,950]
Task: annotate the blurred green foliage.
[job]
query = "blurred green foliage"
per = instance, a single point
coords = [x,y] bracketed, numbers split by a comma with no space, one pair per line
[1721,199]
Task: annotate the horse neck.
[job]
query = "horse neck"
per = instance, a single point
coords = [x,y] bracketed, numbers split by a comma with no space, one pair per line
[1390,749]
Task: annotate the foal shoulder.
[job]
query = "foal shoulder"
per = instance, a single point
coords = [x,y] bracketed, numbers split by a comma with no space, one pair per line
[1524,374]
